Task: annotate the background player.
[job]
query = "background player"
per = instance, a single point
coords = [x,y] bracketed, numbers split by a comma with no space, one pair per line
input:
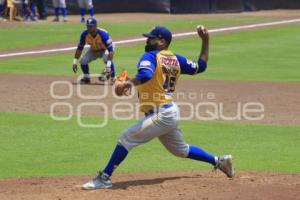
[29,11]
[86,5]
[12,10]
[158,73]
[41,7]
[60,4]
[101,46]
[1,9]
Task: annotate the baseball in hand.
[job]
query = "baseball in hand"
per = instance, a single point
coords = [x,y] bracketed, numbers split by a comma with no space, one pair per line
[202,32]
[200,27]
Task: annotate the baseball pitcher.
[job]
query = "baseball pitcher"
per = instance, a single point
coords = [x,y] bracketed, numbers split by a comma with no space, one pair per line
[86,5]
[101,46]
[159,70]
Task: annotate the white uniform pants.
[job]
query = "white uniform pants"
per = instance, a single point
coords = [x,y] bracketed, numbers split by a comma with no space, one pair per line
[59,3]
[88,4]
[162,124]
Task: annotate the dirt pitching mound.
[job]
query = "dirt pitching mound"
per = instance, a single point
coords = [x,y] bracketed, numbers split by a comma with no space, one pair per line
[169,185]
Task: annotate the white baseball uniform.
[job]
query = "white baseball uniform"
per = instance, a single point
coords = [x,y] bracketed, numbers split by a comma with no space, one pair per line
[88,4]
[59,3]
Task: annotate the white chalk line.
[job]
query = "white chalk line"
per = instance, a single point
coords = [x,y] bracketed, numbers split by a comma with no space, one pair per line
[233,28]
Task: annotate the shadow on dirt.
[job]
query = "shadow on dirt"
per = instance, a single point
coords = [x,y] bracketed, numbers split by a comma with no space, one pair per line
[144,182]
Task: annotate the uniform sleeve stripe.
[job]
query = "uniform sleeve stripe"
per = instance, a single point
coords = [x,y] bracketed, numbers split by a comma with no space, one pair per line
[146,68]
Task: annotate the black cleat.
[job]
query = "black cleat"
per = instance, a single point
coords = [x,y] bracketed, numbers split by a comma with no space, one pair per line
[85,81]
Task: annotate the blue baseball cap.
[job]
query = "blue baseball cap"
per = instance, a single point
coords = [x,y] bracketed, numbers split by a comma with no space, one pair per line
[91,22]
[160,32]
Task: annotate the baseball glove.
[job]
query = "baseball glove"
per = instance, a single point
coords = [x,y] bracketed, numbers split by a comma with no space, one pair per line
[122,87]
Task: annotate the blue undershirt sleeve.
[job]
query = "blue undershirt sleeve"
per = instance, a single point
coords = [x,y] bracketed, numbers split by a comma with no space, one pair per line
[191,67]
[146,67]
[144,75]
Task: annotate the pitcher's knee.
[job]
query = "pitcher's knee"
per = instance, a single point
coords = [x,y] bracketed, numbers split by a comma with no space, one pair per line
[127,144]
[181,152]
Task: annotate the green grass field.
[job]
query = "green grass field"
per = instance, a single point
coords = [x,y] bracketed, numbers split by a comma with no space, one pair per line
[35,145]
[247,55]
[44,34]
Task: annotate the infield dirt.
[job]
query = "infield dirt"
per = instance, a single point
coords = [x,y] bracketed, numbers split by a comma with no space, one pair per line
[163,185]
[27,93]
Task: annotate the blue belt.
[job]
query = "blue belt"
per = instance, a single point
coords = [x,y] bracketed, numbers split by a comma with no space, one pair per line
[165,106]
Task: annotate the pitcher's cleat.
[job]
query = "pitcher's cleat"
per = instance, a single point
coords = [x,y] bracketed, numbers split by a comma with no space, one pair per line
[102,181]
[225,165]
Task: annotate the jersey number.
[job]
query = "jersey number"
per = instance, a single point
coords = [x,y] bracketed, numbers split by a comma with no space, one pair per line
[169,83]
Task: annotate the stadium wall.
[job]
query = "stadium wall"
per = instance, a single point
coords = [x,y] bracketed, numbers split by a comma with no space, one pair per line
[181,6]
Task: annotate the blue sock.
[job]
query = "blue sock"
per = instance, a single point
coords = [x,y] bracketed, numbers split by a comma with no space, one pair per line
[82,12]
[197,153]
[64,12]
[32,9]
[56,11]
[117,157]
[85,69]
[91,11]
[113,70]
[1,10]
[24,12]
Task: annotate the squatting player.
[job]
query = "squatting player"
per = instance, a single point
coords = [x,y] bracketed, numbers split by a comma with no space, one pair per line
[101,46]
[158,72]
